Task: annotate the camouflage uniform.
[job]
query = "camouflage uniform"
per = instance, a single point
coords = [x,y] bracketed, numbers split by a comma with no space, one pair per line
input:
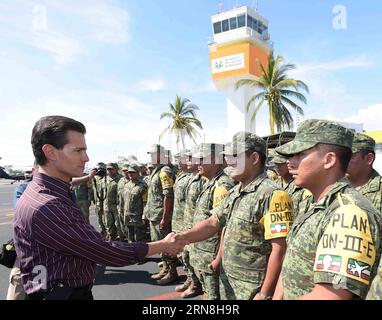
[121,191]
[337,240]
[161,183]
[373,188]
[98,197]
[110,189]
[84,196]
[133,209]
[253,216]
[193,191]
[180,186]
[204,252]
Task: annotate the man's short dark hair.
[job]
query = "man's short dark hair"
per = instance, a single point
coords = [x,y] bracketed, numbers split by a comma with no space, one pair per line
[52,130]
[343,154]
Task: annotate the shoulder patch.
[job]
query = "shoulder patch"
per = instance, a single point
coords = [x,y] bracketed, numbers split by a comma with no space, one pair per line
[279,218]
[166,180]
[346,247]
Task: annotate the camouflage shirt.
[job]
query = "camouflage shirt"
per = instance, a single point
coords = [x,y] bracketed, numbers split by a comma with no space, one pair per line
[120,188]
[98,195]
[161,183]
[253,216]
[373,190]
[110,190]
[193,191]
[84,192]
[335,241]
[212,195]
[133,201]
[297,194]
[180,187]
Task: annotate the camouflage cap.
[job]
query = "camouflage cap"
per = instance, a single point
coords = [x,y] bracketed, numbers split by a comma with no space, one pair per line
[363,142]
[133,168]
[244,141]
[101,164]
[279,159]
[205,150]
[125,167]
[312,132]
[156,148]
[182,154]
[112,165]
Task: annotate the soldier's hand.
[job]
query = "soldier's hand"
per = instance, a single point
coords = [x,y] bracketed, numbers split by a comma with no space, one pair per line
[164,225]
[174,244]
[92,173]
[214,266]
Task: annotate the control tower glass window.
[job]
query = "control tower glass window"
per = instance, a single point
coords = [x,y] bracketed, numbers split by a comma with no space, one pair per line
[233,23]
[225,24]
[241,21]
[217,27]
[249,21]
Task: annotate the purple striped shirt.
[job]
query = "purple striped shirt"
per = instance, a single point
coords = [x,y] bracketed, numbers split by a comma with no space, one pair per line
[54,242]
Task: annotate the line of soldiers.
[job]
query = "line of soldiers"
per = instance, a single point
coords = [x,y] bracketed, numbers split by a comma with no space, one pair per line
[312,232]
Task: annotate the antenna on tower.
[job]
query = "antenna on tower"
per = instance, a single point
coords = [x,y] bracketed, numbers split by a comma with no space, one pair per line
[256,5]
[221,7]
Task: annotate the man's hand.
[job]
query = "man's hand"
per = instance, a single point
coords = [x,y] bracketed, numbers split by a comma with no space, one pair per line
[92,173]
[174,245]
[163,224]
[214,266]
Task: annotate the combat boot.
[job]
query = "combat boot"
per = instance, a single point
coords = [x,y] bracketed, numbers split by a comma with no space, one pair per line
[170,277]
[162,273]
[160,264]
[193,290]
[183,287]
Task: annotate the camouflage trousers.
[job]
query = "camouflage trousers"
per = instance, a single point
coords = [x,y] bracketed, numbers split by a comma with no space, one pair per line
[113,227]
[375,291]
[184,257]
[157,234]
[236,289]
[210,284]
[101,219]
[134,229]
[84,207]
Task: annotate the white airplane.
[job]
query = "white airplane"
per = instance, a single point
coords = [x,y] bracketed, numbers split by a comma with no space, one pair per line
[357,268]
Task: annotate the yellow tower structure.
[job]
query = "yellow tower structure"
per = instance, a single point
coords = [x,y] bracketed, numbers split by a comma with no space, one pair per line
[241,43]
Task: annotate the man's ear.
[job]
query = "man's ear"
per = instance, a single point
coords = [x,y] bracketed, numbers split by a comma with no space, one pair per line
[50,152]
[370,157]
[255,157]
[330,159]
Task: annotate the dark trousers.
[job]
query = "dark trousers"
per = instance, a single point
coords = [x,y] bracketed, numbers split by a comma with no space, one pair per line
[63,293]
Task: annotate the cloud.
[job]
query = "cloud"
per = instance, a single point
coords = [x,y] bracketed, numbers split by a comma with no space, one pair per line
[66,30]
[370,117]
[152,85]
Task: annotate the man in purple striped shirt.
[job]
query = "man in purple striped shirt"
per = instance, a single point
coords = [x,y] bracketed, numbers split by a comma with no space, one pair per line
[57,248]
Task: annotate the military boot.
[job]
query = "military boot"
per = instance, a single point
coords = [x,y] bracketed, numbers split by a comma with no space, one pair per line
[160,264]
[193,290]
[170,277]
[183,287]
[162,273]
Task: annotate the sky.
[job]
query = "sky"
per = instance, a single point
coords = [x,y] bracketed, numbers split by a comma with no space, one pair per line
[116,66]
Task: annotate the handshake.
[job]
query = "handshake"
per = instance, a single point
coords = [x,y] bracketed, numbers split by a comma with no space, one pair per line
[174,243]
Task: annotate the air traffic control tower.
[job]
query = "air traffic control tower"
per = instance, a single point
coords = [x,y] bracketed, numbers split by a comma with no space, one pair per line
[240,43]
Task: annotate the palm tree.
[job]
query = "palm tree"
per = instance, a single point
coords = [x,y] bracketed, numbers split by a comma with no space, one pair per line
[277,90]
[183,120]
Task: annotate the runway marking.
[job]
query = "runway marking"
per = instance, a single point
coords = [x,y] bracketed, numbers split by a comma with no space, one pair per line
[166,296]
[5,223]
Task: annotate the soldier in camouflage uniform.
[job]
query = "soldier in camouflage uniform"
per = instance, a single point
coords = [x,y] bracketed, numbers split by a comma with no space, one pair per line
[360,172]
[110,204]
[286,182]
[334,245]
[84,196]
[158,210]
[132,202]
[257,216]
[182,180]
[192,286]
[203,253]
[121,191]
[98,196]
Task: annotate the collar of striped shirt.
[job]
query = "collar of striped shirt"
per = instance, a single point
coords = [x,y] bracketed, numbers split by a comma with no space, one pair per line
[59,187]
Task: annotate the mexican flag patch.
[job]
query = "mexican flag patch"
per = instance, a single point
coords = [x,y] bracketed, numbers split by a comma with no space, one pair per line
[278,228]
[329,263]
